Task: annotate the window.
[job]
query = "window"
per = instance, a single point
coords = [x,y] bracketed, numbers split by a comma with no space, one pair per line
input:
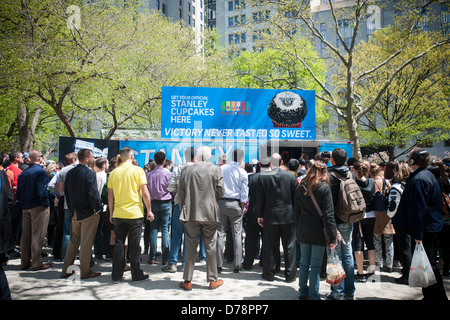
[445,20]
[189,6]
[230,5]
[230,21]
[346,30]
[163,8]
[158,4]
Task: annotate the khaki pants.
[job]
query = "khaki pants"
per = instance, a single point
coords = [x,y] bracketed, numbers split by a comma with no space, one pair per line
[82,234]
[34,224]
[192,231]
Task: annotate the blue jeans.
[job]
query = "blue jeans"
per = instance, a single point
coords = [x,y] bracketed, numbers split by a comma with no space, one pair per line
[162,211]
[66,232]
[346,289]
[311,257]
[177,235]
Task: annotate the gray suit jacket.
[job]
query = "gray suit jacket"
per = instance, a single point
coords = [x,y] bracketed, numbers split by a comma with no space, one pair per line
[200,188]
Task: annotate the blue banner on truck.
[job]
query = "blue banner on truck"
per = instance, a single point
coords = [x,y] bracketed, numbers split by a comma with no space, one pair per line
[230,113]
[174,150]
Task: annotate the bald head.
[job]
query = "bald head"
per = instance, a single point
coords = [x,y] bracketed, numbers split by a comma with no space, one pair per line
[35,155]
[275,159]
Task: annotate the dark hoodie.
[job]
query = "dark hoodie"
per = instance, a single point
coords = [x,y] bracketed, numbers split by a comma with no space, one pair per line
[334,184]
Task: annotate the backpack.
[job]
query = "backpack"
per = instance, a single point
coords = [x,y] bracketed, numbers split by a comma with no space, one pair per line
[351,205]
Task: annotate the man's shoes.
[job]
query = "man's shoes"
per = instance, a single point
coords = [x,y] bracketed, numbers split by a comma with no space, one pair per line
[92,275]
[186,285]
[118,281]
[152,262]
[246,267]
[42,267]
[267,278]
[26,267]
[290,280]
[144,277]
[171,268]
[219,269]
[66,275]
[215,285]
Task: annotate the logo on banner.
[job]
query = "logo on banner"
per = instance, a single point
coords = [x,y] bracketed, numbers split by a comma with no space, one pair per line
[235,107]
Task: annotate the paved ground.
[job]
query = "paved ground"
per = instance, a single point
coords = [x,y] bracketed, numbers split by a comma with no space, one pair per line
[247,285]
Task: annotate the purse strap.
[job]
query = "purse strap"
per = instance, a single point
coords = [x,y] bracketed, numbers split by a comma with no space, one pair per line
[315,204]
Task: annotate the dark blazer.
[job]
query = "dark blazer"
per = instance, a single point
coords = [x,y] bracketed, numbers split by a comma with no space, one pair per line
[32,187]
[6,207]
[80,190]
[253,181]
[275,196]
[309,224]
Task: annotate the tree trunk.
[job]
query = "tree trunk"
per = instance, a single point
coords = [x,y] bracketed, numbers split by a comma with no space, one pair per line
[353,136]
[27,128]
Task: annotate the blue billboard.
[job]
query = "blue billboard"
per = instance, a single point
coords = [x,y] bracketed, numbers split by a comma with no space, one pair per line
[230,113]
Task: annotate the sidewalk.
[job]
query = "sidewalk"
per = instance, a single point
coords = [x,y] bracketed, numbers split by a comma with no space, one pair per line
[246,285]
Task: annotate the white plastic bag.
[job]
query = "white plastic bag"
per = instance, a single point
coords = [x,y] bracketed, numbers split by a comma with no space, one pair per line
[420,273]
[335,271]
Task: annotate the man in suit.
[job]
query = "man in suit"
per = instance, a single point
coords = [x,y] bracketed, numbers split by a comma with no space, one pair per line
[200,188]
[275,212]
[253,231]
[85,204]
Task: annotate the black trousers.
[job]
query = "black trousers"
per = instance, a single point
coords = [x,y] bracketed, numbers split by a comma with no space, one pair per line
[252,235]
[435,292]
[58,231]
[405,250]
[271,250]
[132,228]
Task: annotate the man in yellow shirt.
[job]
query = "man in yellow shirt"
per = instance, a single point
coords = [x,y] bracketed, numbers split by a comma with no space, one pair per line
[127,187]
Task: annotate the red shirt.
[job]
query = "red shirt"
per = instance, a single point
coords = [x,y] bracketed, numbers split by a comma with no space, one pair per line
[16,171]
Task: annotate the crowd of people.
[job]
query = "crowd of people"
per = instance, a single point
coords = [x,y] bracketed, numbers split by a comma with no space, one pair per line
[100,209]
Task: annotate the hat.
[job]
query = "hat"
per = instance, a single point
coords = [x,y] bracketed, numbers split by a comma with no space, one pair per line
[26,155]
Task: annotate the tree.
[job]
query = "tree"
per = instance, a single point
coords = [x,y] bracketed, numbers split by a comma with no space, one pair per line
[346,22]
[414,109]
[278,66]
[100,63]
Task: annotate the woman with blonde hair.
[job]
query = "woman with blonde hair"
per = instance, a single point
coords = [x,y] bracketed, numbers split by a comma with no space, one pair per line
[310,225]
[383,228]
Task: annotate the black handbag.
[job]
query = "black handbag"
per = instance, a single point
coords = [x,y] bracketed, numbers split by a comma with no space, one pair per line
[381,199]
